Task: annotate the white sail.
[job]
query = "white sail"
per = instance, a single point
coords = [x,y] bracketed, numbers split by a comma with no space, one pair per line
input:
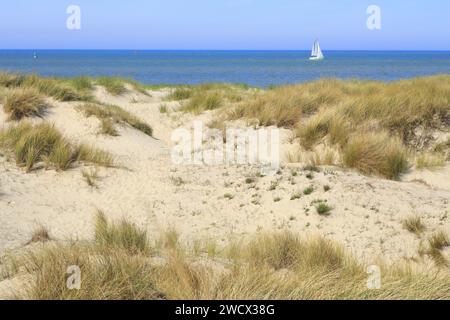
[316,53]
[319,51]
[314,49]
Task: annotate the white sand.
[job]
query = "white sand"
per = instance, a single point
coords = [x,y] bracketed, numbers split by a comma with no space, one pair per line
[367,211]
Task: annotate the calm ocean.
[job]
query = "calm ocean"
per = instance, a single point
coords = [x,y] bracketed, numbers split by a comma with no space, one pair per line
[257,68]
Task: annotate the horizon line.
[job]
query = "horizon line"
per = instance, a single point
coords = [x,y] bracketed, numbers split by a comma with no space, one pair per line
[115,49]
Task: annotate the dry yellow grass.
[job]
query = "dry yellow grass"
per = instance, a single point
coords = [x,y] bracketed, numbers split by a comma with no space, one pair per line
[428,160]
[388,116]
[123,235]
[23,102]
[414,224]
[376,153]
[40,234]
[437,242]
[269,266]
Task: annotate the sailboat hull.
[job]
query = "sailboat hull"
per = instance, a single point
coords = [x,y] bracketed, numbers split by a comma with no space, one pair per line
[316,58]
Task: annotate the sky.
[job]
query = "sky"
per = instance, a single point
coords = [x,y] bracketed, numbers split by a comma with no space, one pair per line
[225,24]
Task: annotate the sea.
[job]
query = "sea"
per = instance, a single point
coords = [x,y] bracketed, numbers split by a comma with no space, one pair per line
[255,68]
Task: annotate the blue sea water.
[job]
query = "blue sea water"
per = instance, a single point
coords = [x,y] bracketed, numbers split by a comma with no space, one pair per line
[256,68]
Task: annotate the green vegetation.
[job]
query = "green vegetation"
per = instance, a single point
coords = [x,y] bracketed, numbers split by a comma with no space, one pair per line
[430,160]
[114,86]
[296,196]
[348,114]
[123,235]
[180,94]
[437,242]
[59,89]
[308,190]
[202,101]
[209,96]
[228,196]
[43,144]
[82,83]
[24,102]
[323,209]
[110,115]
[250,180]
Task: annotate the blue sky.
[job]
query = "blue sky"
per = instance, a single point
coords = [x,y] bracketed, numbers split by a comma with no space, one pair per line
[225,24]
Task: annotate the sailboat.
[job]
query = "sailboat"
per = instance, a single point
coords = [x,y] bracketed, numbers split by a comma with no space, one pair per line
[316,53]
[35,55]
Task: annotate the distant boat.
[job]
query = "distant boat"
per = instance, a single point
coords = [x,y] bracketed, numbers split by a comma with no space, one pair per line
[35,55]
[316,53]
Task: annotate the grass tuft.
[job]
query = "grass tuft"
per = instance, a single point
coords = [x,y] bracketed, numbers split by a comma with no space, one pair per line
[180,94]
[202,101]
[41,234]
[308,190]
[323,209]
[269,266]
[122,235]
[114,86]
[91,177]
[376,153]
[414,225]
[59,89]
[430,161]
[110,114]
[24,102]
[43,143]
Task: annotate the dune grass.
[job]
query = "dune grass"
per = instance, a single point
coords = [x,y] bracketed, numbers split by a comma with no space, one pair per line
[10,80]
[91,177]
[122,235]
[179,94]
[42,144]
[209,96]
[40,234]
[202,101]
[24,102]
[399,106]
[82,83]
[116,266]
[110,115]
[437,242]
[114,86]
[414,225]
[428,160]
[59,89]
[347,114]
[376,153]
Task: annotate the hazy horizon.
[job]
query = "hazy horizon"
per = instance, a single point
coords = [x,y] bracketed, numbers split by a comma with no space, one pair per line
[200,50]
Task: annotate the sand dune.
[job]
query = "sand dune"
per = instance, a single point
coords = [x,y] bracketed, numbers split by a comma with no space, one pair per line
[155,194]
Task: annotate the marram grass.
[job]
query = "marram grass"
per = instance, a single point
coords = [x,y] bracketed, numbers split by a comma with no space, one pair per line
[111,114]
[117,266]
[24,102]
[43,145]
